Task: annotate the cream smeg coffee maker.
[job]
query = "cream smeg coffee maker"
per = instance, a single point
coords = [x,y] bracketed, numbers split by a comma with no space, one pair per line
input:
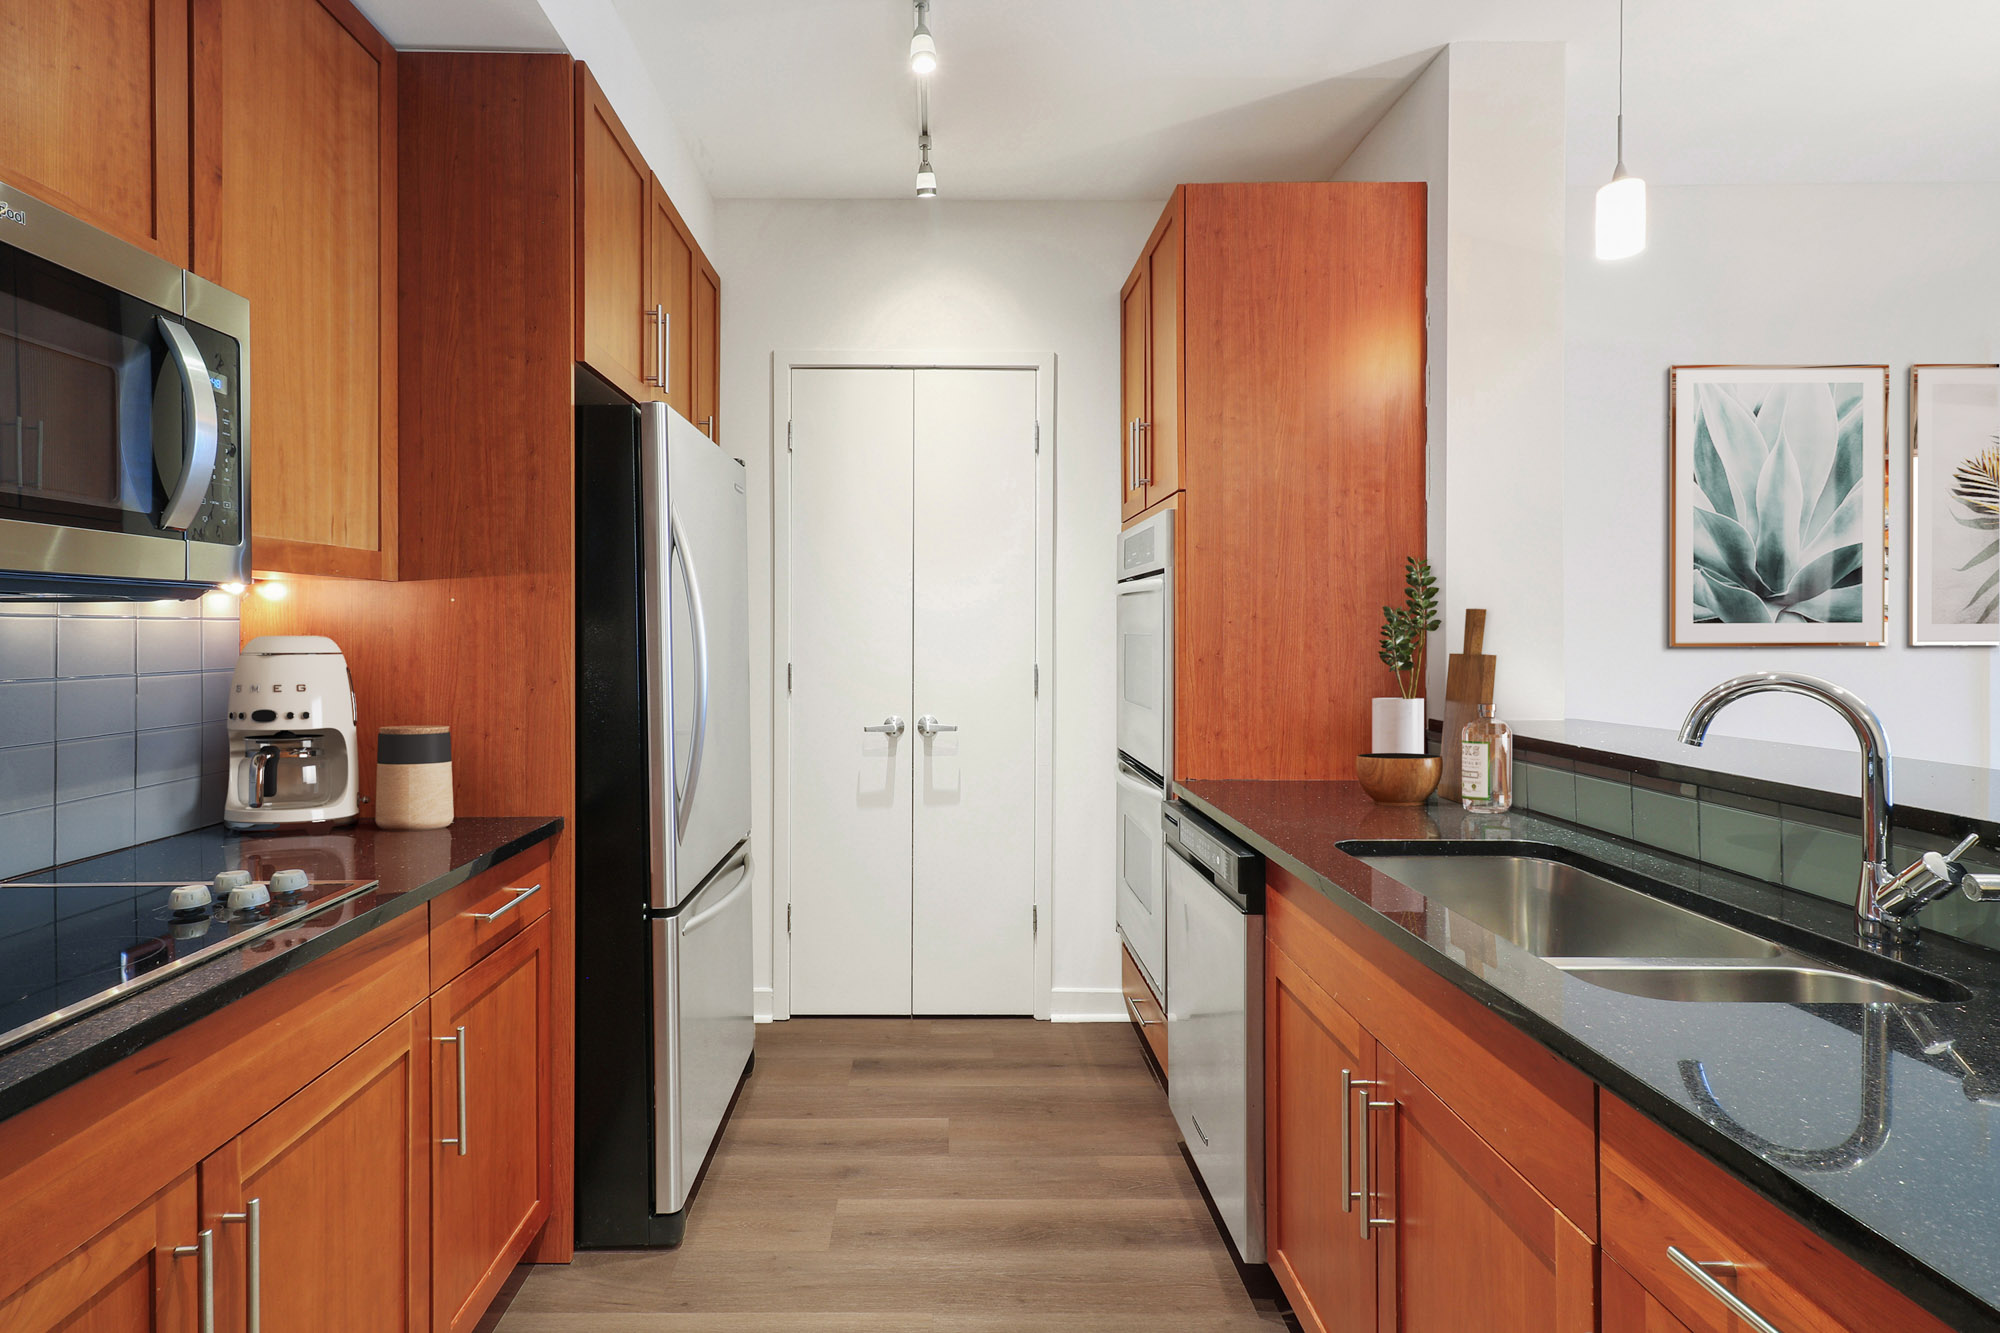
[292,760]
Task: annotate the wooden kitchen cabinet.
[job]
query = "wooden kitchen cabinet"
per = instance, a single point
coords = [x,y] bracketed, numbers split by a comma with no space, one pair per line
[125,1280]
[338,1182]
[614,336]
[1311,1233]
[294,208]
[669,300]
[1151,353]
[1143,1008]
[94,119]
[1660,1193]
[1134,323]
[1472,1244]
[1627,1307]
[490,1158]
[707,348]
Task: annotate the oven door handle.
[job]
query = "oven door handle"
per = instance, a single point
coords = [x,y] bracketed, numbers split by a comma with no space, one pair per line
[200,429]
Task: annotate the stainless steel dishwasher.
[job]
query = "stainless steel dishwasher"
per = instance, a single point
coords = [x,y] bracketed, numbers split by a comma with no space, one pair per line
[1215,1015]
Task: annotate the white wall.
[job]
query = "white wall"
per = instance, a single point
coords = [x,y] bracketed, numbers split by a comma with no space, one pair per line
[1798,274]
[594,33]
[1484,126]
[866,275]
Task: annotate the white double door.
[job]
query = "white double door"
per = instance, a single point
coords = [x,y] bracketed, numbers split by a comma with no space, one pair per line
[911,606]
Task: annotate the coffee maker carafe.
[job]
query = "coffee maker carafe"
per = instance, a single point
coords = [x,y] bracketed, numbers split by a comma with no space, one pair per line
[292,761]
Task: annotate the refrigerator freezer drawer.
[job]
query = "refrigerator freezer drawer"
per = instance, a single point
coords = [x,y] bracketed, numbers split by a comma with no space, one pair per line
[707,1025]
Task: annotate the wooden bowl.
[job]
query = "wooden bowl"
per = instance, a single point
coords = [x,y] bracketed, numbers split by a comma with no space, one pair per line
[1398,779]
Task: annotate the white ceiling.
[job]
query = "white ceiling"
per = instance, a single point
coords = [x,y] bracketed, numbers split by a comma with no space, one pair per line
[1120,99]
[462,25]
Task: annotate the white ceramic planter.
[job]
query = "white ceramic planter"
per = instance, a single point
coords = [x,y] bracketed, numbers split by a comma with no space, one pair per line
[1399,726]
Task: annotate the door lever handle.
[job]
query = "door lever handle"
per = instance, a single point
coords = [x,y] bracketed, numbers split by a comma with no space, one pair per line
[892,726]
[930,726]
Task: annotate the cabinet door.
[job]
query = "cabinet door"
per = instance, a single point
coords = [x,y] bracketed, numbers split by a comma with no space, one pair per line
[127,1278]
[1629,1307]
[670,317]
[1132,395]
[490,1155]
[96,121]
[1312,1235]
[614,337]
[295,210]
[707,348]
[1470,1244]
[1163,365]
[321,1209]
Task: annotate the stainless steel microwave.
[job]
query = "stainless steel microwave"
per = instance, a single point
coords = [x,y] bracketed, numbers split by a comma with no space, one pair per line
[124,417]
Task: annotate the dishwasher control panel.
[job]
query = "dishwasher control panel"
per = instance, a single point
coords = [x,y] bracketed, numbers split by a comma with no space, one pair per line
[1230,865]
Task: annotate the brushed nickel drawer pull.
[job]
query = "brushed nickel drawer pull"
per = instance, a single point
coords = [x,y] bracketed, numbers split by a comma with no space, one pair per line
[204,1252]
[252,1217]
[1138,1017]
[1346,1140]
[1365,1196]
[520,896]
[1730,1299]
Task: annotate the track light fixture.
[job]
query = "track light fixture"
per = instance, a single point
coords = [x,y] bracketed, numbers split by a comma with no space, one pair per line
[926,178]
[923,47]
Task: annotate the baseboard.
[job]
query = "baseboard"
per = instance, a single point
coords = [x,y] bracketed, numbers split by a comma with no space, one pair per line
[761,1004]
[1087,1004]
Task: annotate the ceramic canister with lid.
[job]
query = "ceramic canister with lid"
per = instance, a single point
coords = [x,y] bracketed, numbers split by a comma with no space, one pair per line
[413,777]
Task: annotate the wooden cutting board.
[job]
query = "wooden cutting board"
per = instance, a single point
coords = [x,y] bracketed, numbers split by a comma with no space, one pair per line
[1468,683]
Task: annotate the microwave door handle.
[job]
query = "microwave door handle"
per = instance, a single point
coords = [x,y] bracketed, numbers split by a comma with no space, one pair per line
[199,429]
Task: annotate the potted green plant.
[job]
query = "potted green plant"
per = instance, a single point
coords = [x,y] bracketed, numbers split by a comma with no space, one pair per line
[1399,718]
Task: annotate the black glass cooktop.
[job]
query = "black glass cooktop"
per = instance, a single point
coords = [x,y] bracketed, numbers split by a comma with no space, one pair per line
[79,937]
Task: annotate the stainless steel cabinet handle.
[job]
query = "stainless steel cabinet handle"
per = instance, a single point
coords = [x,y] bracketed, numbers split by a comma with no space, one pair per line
[520,896]
[1346,1141]
[1132,482]
[1730,1299]
[930,726]
[1364,1152]
[252,1218]
[1138,1017]
[708,425]
[459,1042]
[658,379]
[891,726]
[204,1251]
[1146,452]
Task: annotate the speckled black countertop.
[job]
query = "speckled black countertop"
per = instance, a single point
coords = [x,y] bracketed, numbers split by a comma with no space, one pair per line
[1918,1204]
[406,870]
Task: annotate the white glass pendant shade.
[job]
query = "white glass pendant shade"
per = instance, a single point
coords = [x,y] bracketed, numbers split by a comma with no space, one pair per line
[1621,217]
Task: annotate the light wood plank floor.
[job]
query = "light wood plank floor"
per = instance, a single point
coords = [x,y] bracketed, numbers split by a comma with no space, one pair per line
[927,1176]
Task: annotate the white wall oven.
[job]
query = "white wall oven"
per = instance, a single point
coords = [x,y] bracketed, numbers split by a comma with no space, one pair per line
[1145,736]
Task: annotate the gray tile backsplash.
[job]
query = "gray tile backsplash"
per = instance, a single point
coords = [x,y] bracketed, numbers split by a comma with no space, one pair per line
[111,724]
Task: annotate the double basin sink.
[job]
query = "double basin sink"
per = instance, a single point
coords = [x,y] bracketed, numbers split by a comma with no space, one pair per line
[1625,940]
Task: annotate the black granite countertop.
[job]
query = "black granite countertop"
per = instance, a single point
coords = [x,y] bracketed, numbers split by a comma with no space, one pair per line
[1915,1198]
[403,871]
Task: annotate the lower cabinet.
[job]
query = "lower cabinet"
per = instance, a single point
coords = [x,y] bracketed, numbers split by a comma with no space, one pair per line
[143,1273]
[1629,1307]
[321,1210]
[490,1157]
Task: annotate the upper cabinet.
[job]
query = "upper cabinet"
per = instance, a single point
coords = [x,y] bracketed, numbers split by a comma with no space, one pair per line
[1273,380]
[95,120]
[647,318]
[295,209]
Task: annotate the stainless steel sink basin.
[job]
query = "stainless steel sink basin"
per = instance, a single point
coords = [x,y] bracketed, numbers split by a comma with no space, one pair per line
[1556,910]
[1774,983]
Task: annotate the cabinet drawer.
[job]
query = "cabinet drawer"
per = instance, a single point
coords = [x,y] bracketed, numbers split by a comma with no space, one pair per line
[1143,1008]
[481,914]
[1658,1193]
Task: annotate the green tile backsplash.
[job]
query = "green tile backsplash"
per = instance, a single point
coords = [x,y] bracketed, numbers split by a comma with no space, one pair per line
[1671,823]
[1604,805]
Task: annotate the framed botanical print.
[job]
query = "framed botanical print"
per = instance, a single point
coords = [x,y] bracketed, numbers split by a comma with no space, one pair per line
[1954,505]
[1780,503]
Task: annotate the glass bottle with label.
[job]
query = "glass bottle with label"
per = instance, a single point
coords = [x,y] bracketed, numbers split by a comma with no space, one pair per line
[1486,754]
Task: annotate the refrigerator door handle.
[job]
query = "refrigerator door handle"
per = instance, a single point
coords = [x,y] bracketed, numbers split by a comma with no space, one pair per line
[689,925]
[698,619]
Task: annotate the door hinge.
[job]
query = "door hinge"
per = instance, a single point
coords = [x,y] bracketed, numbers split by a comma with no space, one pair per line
[788,678]
[1035,920]
[1038,680]
[1038,437]
[788,918]
[788,437]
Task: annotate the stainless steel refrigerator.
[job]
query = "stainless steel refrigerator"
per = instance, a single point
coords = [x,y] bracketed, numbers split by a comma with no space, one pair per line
[664,1010]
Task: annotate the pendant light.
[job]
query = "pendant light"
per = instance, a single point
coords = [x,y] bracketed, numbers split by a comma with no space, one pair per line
[923,47]
[1621,203]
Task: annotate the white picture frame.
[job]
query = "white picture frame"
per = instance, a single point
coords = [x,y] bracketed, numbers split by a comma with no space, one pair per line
[1779,498]
[1954,506]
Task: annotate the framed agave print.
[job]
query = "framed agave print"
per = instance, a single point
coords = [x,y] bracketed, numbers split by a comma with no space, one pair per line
[1954,505]
[1780,505]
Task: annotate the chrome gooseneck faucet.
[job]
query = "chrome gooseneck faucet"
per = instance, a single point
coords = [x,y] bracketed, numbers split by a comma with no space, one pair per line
[1885,901]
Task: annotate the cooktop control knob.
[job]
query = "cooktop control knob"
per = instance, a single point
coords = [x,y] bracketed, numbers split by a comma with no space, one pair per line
[287,882]
[229,880]
[189,898]
[248,897]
